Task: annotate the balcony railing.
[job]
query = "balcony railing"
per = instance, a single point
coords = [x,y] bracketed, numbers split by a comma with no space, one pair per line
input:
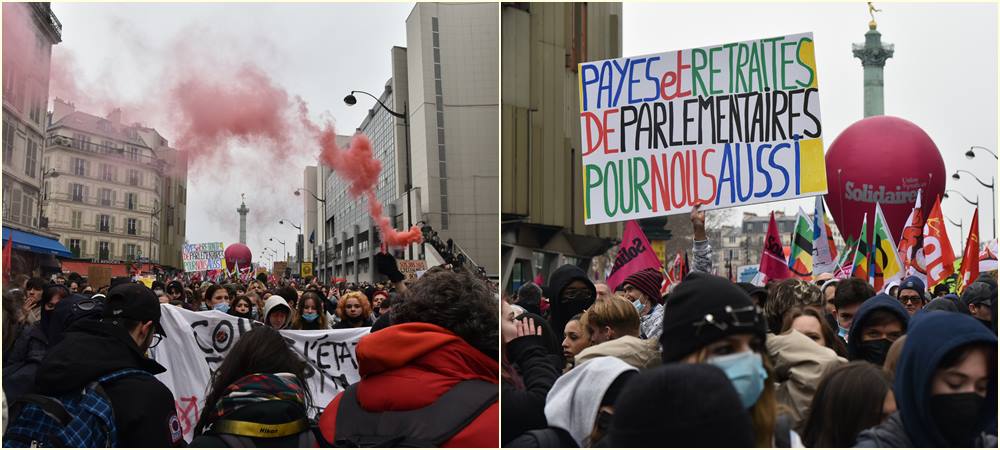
[44,10]
[103,150]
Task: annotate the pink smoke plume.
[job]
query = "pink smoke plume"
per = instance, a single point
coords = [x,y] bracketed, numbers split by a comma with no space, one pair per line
[207,99]
[246,107]
[356,165]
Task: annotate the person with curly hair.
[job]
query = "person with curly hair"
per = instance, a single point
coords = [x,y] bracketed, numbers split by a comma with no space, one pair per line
[354,311]
[443,343]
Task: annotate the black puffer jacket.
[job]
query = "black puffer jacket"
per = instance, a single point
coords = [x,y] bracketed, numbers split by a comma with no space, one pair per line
[145,412]
[273,412]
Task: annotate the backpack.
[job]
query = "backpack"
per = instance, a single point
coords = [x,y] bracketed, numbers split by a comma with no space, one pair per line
[78,419]
[429,426]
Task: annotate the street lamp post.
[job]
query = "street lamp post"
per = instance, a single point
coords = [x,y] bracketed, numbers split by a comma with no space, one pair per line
[961,231]
[970,154]
[283,248]
[318,255]
[152,215]
[993,191]
[350,99]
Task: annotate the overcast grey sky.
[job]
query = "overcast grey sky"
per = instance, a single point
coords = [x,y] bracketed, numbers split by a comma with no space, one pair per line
[317,51]
[943,76]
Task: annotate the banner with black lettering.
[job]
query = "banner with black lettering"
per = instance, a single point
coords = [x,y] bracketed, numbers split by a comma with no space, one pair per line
[197,342]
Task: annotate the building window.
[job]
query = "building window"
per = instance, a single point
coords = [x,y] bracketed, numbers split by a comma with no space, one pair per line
[31,159]
[27,210]
[74,246]
[105,197]
[104,250]
[131,200]
[77,219]
[133,153]
[15,205]
[104,223]
[77,192]
[79,167]
[106,174]
[8,141]
[131,226]
[133,177]
[130,252]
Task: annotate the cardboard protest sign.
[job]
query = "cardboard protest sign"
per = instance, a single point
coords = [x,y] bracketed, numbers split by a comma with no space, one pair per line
[197,342]
[410,267]
[201,257]
[727,125]
[99,277]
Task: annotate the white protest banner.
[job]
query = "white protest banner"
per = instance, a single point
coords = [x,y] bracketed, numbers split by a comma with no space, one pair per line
[197,342]
[727,125]
[201,257]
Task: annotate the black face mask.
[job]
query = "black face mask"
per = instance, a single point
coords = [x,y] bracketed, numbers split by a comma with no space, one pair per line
[957,417]
[874,351]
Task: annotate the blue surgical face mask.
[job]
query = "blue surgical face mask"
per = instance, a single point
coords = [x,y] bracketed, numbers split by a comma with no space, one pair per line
[746,371]
[638,305]
[842,332]
[310,317]
[224,307]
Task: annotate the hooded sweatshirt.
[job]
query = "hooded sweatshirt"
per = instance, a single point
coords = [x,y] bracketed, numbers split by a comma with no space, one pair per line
[933,335]
[575,399]
[560,312]
[273,302]
[880,301]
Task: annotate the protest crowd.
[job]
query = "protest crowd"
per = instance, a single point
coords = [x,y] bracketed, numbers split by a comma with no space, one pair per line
[703,361]
[80,366]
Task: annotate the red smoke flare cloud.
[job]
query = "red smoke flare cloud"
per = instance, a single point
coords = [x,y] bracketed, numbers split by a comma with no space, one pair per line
[356,165]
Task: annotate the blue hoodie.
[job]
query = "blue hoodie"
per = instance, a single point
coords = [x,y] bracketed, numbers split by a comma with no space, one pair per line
[880,301]
[931,338]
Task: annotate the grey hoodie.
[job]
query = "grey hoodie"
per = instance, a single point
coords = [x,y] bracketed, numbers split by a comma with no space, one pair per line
[575,398]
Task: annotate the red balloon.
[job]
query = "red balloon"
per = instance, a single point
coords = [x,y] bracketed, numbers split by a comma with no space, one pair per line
[238,255]
[884,159]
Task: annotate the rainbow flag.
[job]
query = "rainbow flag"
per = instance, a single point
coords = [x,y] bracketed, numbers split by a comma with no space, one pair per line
[800,259]
[885,263]
[860,269]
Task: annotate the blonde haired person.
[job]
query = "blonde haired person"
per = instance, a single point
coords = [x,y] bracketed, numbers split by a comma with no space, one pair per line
[613,326]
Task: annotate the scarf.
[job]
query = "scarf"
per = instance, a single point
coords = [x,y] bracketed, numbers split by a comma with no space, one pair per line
[259,387]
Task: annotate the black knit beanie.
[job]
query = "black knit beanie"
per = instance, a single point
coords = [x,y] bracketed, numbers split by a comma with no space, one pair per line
[703,309]
[647,281]
[680,405]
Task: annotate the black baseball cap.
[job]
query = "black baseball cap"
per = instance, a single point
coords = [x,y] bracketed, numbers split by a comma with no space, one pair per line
[133,301]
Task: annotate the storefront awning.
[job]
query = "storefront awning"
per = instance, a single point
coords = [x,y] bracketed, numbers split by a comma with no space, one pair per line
[34,243]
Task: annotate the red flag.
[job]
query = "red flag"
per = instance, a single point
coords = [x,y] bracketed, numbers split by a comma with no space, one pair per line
[772,260]
[634,254]
[970,259]
[939,256]
[7,249]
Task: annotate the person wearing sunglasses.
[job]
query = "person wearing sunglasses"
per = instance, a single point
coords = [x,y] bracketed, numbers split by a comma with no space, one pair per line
[912,294]
[118,340]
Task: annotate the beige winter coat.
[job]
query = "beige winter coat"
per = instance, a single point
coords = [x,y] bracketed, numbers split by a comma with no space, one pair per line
[799,363]
[639,353]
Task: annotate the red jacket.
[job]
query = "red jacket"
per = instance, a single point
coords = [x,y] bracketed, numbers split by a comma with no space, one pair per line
[408,366]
